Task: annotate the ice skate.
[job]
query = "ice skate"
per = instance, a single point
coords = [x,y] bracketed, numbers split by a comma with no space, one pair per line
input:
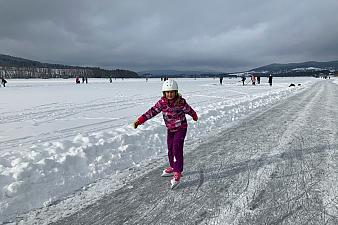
[167,172]
[175,181]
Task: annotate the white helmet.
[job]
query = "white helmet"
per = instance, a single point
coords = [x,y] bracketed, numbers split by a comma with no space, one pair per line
[170,85]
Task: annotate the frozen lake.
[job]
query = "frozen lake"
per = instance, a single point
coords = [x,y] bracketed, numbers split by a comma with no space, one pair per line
[58,136]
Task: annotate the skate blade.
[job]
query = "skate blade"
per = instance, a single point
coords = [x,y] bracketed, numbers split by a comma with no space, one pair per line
[169,175]
[166,174]
[174,186]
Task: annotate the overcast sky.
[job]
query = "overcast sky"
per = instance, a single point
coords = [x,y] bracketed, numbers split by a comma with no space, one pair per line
[219,35]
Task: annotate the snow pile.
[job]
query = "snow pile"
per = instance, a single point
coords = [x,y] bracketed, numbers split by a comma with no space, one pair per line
[44,167]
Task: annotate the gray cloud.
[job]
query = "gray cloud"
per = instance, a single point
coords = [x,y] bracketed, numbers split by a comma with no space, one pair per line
[157,34]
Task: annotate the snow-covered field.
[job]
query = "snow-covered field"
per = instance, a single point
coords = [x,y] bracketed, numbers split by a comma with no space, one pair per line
[58,137]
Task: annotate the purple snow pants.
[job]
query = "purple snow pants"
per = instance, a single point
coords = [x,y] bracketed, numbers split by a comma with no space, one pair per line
[175,141]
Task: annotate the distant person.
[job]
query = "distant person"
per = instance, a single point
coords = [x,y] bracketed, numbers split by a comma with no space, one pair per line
[258,79]
[77,79]
[220,80]
[110,80]
[83,79]
[270,79]
[173,108]
[3,81]
[253,79]
[86,79]
[243,79]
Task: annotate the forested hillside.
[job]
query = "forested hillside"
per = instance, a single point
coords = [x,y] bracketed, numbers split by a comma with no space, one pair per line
[14,67]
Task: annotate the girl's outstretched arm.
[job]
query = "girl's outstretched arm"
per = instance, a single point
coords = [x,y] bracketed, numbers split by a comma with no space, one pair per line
[153,111]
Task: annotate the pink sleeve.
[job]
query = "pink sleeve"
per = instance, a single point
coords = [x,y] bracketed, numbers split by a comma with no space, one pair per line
[153,111]
[188,110]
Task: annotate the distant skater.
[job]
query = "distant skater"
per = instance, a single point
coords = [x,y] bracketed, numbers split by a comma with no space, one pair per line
[221,80]
[3,81]
[270,79]
[173,108]
[258,79]
[243,79]
[253,79]
[77,79]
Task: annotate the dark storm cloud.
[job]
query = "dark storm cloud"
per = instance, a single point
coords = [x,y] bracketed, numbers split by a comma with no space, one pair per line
[155,34]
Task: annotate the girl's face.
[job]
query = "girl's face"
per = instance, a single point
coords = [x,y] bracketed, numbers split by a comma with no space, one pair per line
[170,94]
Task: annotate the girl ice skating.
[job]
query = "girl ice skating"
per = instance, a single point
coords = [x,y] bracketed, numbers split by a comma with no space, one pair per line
[173,108]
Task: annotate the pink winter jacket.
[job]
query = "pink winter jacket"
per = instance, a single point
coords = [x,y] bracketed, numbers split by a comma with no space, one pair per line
[173,113]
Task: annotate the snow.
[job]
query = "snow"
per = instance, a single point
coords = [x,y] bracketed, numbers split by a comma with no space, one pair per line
[307,68]
[64,143]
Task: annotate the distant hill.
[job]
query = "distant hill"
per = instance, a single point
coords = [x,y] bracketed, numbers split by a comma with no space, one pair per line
[15,67]
[7,60]
[310,68]
[310,65]
[177,73]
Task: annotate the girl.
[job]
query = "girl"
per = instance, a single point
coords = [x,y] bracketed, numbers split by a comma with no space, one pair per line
[173,108]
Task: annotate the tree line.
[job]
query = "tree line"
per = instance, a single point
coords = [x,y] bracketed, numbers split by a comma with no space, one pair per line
[14,67]
[45,73]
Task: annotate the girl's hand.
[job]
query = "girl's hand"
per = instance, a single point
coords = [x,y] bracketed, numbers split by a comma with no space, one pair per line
[135,124]
[138,122]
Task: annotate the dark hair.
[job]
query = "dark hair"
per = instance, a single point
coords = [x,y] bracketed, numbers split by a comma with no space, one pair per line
[178,98]
[176,93]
